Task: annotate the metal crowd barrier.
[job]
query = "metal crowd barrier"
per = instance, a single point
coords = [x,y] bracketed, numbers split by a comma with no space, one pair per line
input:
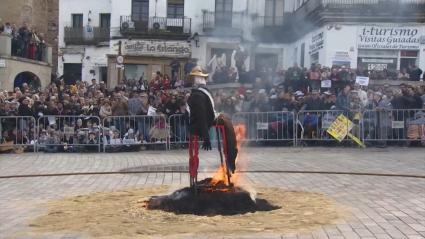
[267,126]
[17,133]
[312,126]
[132,132]
[116,133]
[179,130]
[394,125]
[69,133]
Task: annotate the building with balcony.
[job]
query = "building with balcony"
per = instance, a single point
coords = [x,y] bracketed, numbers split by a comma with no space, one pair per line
[17,70]
[84,36]
[133,39]
[41,15]
[364,34]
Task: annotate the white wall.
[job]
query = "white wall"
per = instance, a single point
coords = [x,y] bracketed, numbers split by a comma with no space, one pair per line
[344,39]
[93,56]
[69,7]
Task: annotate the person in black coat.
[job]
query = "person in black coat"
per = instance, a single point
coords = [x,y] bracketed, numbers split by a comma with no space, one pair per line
[24,109]
[200,107]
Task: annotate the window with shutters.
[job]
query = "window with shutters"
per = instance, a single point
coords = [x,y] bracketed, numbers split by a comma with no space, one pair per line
[77,20]
[105,20]
[223,12]
[175,9]
[140,10]
[274,12]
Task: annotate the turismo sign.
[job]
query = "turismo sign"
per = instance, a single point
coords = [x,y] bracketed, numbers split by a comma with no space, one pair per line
[395,38]
[156,48]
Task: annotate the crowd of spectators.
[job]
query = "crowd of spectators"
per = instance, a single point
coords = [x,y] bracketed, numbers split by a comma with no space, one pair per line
[27,42]
[300,78]
[94,107]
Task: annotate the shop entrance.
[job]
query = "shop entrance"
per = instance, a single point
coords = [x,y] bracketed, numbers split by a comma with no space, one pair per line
[136,72]
[265,61]
[408,59]
[72,73]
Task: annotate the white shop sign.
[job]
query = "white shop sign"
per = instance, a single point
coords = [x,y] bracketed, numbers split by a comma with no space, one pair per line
[156,48]
[362,80]
[387,37]
[317,42]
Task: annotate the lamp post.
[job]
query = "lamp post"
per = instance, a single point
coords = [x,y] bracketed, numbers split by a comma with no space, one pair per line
[119,61]
[194,38]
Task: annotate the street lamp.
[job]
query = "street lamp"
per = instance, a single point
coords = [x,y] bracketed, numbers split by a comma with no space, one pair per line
[194,38]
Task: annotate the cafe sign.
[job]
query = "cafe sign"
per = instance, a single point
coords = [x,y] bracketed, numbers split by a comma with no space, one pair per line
[156,48]
[393,38]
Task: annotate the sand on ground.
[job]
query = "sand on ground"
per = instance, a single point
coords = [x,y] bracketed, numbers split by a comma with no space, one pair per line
[121,214]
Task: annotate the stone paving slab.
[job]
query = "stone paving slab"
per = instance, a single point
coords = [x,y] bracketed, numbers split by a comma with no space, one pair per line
[382,207]
[410,161]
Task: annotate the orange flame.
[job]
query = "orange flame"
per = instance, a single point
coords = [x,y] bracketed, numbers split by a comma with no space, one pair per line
[220,175]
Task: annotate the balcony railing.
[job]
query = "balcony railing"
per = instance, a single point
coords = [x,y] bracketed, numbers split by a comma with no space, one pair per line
[356,4]
[156,26]
[86,36]
[370,2]
[271,21]
[226,23]
[321,11]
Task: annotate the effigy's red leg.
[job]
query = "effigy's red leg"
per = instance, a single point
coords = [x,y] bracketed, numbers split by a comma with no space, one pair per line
[193,156]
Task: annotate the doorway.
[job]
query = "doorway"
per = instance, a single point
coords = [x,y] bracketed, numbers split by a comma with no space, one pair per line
[72,73]
[29,78]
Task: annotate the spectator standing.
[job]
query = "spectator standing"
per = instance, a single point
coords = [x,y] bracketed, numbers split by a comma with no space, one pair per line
[293,77]
[24,109]
[120,108]
[175,69]
[314,102]
[105,110]
[415,73]
[343,99]
[24,40]
[361,94]
[134,104]
[8,29]
[315,77]
[403,75]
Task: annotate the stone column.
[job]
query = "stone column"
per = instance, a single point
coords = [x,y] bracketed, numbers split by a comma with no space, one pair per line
[5,45]
[47,55]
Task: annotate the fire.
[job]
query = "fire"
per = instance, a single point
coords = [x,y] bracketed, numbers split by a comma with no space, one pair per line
[220,175]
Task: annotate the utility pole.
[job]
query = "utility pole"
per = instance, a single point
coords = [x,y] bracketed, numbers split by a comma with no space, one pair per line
[119,64]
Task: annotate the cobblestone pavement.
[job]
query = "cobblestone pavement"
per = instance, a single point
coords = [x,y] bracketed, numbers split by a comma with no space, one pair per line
[383,207]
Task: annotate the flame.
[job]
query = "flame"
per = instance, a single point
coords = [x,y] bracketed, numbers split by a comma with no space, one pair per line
[220,175]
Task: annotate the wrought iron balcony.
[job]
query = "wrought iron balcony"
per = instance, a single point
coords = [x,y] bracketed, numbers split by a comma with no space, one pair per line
[220,23]
[175,28]
[86,36]
[271,21]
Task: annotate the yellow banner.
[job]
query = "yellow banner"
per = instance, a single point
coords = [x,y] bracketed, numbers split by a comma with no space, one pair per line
[341,128]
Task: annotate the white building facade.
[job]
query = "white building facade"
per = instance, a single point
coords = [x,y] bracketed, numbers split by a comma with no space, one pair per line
[245,35]
[369,35]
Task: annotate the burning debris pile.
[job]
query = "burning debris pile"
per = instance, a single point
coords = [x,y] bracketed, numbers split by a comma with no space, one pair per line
[211,199]
[214,196]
